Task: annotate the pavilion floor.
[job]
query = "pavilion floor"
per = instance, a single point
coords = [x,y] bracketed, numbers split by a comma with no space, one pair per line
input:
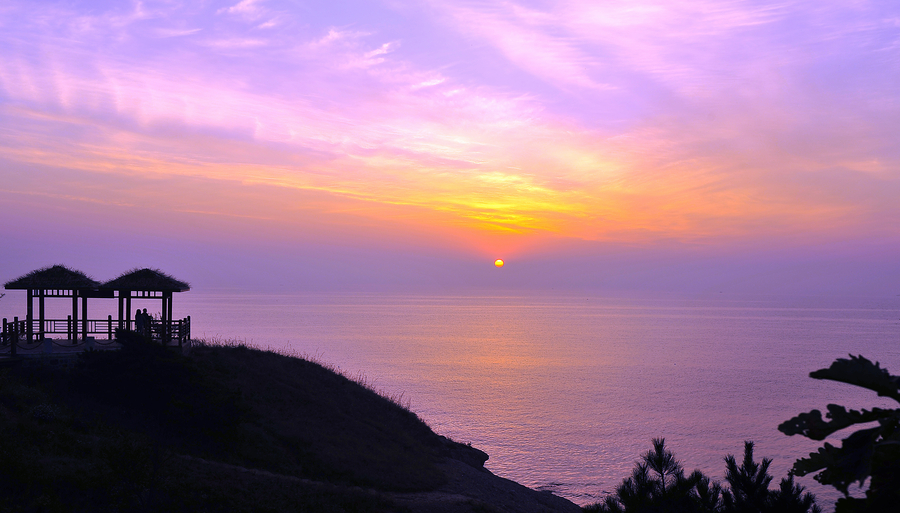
[59,346]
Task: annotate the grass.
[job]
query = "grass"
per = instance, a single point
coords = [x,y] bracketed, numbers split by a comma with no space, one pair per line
[306,420]
[229,428]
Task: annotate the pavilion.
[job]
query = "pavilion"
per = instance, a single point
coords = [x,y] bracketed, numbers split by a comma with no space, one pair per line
[144,284]
[59,281]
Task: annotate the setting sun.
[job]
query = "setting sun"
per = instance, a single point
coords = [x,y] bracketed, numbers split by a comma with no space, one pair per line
[498,262]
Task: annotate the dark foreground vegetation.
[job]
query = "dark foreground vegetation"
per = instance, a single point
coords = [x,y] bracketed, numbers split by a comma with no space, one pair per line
[658,483]
[871,454]
[227,428]
[235,429]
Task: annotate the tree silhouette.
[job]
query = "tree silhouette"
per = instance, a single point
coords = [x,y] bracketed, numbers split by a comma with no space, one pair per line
[658,485]
[872,453]
[749,483]
[790,498]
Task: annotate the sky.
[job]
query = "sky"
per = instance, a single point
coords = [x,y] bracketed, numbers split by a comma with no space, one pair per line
[696,146]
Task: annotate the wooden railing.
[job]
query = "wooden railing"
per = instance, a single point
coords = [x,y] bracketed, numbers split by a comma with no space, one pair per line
[16,333]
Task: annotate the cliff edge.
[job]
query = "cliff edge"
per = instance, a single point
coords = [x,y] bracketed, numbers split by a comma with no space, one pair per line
[229,428]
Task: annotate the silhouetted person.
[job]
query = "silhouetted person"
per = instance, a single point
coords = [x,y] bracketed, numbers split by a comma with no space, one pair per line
[148,322]
[139,322]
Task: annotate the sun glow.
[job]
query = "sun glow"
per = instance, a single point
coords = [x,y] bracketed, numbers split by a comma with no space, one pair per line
[354,143]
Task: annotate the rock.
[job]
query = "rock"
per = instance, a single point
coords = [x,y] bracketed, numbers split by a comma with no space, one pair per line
[470,490]
[464,453]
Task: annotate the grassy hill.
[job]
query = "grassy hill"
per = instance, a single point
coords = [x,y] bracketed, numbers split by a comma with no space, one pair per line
[227,428]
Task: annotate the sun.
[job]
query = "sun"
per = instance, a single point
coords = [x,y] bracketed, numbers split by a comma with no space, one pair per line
[498,262]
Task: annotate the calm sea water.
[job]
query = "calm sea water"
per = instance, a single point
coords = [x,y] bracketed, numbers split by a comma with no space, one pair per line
[565,393]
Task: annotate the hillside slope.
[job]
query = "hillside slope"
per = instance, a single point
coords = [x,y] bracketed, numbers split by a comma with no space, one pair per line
[229,429]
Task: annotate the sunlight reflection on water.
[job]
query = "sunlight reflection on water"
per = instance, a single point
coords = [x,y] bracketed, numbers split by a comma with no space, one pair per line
[565,393]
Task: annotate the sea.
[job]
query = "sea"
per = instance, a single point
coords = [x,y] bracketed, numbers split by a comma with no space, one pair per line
[566,391]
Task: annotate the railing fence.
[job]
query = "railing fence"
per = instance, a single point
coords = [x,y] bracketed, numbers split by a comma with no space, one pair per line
[15,334]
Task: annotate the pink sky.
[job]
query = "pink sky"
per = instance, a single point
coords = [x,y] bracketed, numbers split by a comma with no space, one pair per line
[375,145]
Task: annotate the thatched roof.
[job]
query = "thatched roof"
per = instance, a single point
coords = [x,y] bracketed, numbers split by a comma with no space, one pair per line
[146,279]
[57,277]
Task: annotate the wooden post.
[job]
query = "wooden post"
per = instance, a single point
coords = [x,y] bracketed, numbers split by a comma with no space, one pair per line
[109,319]
[41,313]
[162,320]
[169,316]
[74,338]
[84,318]
[68,327]
[15,339]
[127,308]
[29,316]
[121,306]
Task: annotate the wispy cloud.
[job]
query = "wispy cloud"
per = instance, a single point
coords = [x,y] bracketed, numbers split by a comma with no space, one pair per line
[619,121]
[527,37]
[163,32]
[250,9]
